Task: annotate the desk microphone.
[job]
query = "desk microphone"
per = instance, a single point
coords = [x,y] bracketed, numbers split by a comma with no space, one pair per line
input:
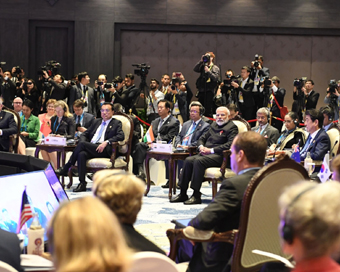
[333,148]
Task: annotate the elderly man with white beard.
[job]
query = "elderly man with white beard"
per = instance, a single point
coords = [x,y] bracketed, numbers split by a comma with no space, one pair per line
[210,146]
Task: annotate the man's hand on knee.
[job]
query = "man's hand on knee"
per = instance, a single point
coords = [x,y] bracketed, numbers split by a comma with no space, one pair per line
[101,147]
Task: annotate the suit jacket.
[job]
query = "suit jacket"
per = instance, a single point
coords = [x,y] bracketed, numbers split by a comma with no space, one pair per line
[138,242]
[8,127]
[247,93]
[168,130]
[67,126]
[76,93]
[312,99]
[181,97]
[113,133]
[87,119]
[222,214]
[127,98]
[319,147]
[279,95]
[212,74]
[32,127]
[201,129]
[10,249]
[218,137]
[270,133]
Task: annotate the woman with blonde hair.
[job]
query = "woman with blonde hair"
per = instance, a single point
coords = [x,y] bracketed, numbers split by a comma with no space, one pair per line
[62,125]
[123,193]
[310,225]
[87,241]
[45,118]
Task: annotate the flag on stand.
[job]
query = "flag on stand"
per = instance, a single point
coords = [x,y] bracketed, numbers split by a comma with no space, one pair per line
[325,172]
[296,154]
[25,211]
[149,137]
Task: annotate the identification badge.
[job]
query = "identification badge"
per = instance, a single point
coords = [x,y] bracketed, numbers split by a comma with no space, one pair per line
[257,81]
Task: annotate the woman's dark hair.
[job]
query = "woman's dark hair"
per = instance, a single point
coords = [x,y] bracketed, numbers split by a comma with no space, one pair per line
[28,103]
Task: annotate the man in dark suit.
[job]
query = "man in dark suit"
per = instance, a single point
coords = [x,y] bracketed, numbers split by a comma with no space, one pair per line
[211,146]
[95,142]
[305,99]
[223,213]
[178,98]
[318,143]
[82,119]
[191,131]
[10,249]
[244,94]
[166,126]
[264,128]
[7,128]
[83,92]
[328,118]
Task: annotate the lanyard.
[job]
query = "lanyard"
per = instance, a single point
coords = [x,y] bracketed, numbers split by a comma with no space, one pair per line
[81,118]
[55,122]
[24,123]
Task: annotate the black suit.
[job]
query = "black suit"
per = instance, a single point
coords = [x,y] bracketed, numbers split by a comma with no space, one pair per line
[76,92]
[8,127]
[10,249]
[219,138]
[303,102]
[222,214]
[138,242]
[67,126]
[167,132]
[318,148]
[279,95]
[247,107]
[181,98]
[86,150]
[127,98]
[86,121]
[137,132]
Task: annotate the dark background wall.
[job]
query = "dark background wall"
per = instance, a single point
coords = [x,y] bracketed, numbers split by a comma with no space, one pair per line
[89,34]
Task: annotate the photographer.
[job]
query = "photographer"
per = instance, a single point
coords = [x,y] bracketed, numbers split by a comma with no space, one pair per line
[243,88]
[83,92]
[305,98]
[54,88]
[333,97]
[258,72]
[102,94]
[207,82]
[273,98]
[8,88]
[225,93]
[118,84]
[18,73]
[30,92]
[178,100]
[152,99]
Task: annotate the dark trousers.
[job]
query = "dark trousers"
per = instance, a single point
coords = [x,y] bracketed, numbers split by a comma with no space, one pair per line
[206,99]
[139,155]
[85,151]
[194,168]
[248,113]
[179,168]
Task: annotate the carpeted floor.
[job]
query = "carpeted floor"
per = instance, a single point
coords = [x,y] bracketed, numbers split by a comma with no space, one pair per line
[157,212]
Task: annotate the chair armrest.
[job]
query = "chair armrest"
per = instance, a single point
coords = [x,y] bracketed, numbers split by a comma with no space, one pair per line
[114,152]
[226,159]
[192,150]
[192,234]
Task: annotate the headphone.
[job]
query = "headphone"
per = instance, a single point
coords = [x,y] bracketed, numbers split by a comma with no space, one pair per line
[329,112]
[287,232]
[196,103]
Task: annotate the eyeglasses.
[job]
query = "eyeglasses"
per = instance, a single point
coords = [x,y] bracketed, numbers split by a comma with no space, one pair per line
[103,110]
[29,83]
[193,111]
[17,103]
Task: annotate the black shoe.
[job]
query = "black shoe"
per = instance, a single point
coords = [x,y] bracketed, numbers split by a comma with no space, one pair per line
[165,186]
[179,198]
[80,188]
[90,176]
[62,171]
[193,200]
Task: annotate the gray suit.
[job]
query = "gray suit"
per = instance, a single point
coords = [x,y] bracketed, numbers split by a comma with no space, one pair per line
[201,129]
[270,133]
[77,93]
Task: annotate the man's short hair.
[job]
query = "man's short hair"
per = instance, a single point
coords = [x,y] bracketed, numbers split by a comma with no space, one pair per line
[153,79]
[264,111]
[8,71]
[261,58]
[229,70]
[61,77]
[103,75]
[167,103]
[118,79]
[82,75]
[78,103]
[328,111]
[232,107]
[165,75]
[311,81]
[254,146]
[246,68]
[117,107]
[315,114]
[131,76]
[275,78]
[107,103]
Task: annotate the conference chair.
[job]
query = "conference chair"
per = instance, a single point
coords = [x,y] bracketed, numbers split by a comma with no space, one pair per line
[334,136]
[259,219]
[216,174]
[4,267]
[121,151]
[152,262]
[13,139]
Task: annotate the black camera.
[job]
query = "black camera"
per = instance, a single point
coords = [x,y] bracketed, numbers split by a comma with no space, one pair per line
[108,85]
[2,63]
[299,83]
[227,82]
[100,83]
[256,61]
[51,67]
[17,70]
[142,70]
[77,126]
[206,59]
[332,86]
[266,81]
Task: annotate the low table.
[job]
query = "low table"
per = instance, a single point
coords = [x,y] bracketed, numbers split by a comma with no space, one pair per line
[172,158]
[61,150]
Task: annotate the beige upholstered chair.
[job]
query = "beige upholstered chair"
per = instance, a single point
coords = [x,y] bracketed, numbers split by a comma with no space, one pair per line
[13,139]
[4,267]
[148,261]
[334,136]
[259,220]
[214,174]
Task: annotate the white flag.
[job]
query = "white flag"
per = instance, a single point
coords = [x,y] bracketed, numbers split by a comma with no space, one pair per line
[325,172]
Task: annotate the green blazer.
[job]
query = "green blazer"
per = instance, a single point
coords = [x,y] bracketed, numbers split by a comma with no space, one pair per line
[31,125]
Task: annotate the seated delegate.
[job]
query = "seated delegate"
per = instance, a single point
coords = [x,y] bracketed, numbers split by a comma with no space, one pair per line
[7,127]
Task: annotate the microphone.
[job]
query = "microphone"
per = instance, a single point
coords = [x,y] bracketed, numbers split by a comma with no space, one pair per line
[333,148]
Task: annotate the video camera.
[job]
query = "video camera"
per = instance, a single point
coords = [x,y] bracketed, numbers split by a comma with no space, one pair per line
[227,82]
[142,70]
[332,86]
[51,67]
[299,83]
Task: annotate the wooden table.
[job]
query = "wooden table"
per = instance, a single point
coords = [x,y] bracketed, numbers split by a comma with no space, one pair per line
[61,151]
[172,158]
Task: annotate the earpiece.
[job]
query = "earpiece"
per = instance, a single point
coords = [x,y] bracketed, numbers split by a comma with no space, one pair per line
[196,103]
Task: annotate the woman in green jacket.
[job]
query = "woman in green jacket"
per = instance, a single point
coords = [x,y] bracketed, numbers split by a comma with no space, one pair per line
[29,129]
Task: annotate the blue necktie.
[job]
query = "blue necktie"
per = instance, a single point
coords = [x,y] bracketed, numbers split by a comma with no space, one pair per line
[306,145]
[95,140]
[187,137]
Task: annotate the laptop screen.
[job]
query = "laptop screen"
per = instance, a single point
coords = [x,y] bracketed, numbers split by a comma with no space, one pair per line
[55,184]
[40,195]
